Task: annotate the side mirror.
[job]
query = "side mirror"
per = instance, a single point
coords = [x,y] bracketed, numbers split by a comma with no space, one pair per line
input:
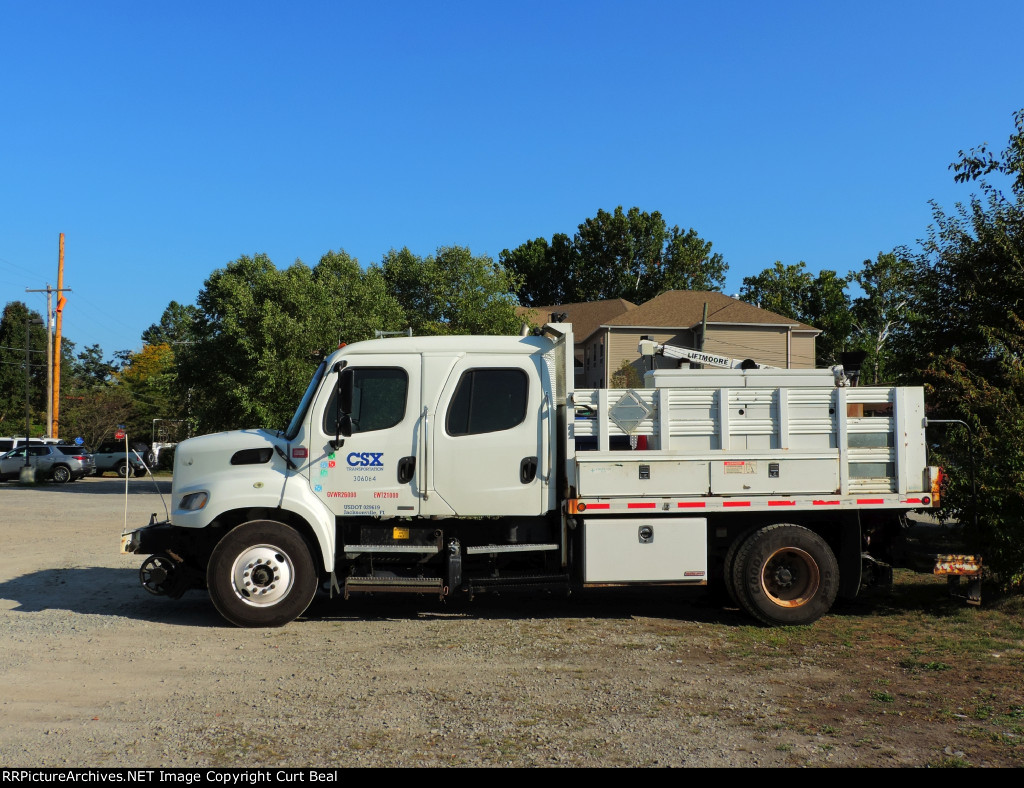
[346,382]
[343,401]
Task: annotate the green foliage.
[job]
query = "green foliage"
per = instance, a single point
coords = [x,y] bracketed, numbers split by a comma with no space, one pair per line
[90,370]
[821,301]
[627,376]
[257,332]
[149,377]
[782,289]
[967,337]
[633,255]
[12,368]
[93,403]
[94,414]
[880,317]
[174,328]
[452,292]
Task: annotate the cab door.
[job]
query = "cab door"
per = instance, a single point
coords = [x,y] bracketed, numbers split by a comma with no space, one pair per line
[488,447]
[375,470]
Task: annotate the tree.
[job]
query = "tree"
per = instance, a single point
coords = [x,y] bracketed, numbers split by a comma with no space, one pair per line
[782,289]
[94,414]
[148,377]
[175,326]
[452,292]
[627,376]
[624,254]
[12,368]
[882,313]
[820,301]
[548,273]
[827,306]
[689,263]
[967,344]
[89,369]
[258,333]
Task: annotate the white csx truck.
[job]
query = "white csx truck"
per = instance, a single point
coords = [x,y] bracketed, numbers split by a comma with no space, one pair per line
[470,464]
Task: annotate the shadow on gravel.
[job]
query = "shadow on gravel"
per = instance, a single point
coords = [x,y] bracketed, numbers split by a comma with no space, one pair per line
[692,605]
[100,591]
[117,592]
[95,486]
[104,591]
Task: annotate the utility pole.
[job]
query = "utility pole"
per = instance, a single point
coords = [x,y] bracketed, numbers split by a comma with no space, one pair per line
[53,346]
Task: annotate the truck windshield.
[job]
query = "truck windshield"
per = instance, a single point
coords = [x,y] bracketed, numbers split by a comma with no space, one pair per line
[300,413]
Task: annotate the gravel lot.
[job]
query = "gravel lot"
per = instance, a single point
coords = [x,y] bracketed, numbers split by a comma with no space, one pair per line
[95,672]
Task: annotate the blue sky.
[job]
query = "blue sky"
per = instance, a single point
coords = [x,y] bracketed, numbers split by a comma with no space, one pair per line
[166,139]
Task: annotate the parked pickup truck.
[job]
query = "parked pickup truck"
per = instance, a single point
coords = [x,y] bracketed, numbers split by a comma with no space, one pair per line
[112,457]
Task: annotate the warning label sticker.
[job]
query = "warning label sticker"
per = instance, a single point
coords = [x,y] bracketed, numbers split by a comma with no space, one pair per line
[740,466]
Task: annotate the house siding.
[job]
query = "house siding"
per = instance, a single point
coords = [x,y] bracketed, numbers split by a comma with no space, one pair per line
[804,350]
[623,346]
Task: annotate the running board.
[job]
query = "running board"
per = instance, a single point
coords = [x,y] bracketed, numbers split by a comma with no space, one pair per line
[394,585]
[494,549]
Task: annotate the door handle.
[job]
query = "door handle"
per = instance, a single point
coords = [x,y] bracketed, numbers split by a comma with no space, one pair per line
[528,470]
[406,469]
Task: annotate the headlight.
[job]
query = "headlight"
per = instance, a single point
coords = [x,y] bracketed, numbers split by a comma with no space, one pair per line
[194,501]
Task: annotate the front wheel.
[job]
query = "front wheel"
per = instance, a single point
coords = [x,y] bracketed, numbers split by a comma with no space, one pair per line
[261,574]
[786,574]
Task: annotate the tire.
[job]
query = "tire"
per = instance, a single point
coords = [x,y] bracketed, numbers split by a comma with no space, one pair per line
[785,574]
[61,474]
[261,574]
[728,568]
[139,472]
[122,470]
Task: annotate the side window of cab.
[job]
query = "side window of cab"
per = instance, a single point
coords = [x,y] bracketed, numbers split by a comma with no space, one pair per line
[488,400]
[379,398]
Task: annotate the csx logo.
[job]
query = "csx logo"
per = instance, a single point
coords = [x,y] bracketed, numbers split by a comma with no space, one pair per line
[365,459]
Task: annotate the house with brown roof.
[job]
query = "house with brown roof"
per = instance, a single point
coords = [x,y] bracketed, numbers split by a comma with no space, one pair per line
[607,333]
[586,318]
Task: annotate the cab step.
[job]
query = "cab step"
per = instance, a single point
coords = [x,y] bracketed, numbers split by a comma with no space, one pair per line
[394,585]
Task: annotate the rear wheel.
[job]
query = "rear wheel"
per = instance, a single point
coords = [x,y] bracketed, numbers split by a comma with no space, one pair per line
[61,474]
[261,575]
[122,470]
[785,574]
[728,568]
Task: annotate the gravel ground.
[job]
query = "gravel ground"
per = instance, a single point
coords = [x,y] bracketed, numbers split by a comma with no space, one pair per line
[96,672]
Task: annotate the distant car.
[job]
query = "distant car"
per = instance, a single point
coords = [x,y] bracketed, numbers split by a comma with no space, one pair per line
[61,464]
[110,456]
[6,444]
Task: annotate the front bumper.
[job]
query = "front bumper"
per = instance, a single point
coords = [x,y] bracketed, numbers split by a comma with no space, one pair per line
[156,537]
